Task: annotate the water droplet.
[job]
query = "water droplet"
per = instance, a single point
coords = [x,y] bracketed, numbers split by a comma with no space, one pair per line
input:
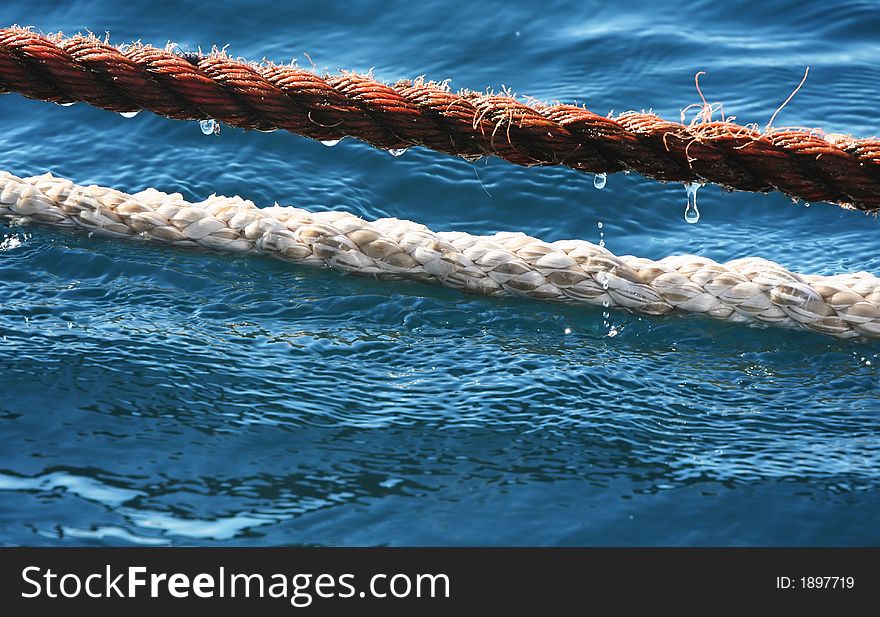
[600,224]
[330,142]
[568,331]
[129,114]
[67,103]
[612,331]
[599,180]
[209,126]
[397,151]
[691,212]
[603,280]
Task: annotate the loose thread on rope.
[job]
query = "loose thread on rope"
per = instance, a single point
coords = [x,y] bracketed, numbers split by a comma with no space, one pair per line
[788,100]
[806,165]
[751,290]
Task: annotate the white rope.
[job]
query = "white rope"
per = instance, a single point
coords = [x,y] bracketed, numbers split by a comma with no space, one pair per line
[742,290]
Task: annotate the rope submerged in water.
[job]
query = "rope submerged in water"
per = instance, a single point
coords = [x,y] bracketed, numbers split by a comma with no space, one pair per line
[802,164]
[743,290]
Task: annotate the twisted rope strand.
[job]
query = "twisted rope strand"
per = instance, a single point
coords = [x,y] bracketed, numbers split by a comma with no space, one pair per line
[804,165]
[743,290]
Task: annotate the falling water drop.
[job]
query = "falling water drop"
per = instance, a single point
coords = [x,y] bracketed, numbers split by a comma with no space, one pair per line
[601,226]
[209,126]
[397,151]
[692,213]
[599,180]
[330,142]
[604,280]
[129,114]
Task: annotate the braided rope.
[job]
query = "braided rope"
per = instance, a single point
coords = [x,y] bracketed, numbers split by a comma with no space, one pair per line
[802,164]
[742,290]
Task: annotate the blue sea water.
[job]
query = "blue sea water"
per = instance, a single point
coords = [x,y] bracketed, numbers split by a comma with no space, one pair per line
[156,397]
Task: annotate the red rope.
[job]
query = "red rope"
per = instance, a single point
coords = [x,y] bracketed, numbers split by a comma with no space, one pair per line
[804,165]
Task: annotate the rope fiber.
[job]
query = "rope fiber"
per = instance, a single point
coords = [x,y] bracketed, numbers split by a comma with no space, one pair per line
[803,164]
[743,290]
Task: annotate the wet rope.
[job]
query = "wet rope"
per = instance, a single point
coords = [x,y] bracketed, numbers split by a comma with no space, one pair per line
[803,164]
[743,290]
